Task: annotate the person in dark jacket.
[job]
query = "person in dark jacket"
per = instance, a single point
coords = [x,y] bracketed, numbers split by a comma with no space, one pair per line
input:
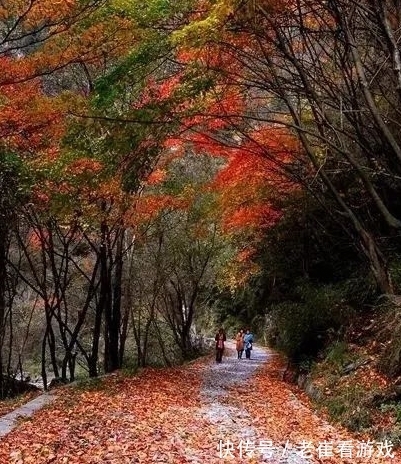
[220,339]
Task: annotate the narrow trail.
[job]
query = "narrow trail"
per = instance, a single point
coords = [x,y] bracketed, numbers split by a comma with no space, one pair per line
[237,435]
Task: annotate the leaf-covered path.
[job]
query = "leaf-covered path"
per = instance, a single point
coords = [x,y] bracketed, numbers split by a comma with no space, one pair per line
[238,438]
[238,411]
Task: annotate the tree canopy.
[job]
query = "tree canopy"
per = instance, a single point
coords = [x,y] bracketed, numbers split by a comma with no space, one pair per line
[176,165]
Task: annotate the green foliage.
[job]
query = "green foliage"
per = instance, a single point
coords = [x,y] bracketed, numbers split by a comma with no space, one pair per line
[233,309]
[390,359]
[351,408]
[130,367]
[15,182]
[301,327]
[202,31]
[391,434]
[394,407]
[90,384]
[153,11]
[310,281]
[338,354]
[126,79]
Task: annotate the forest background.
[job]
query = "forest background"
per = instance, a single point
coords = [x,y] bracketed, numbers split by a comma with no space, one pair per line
[170,167]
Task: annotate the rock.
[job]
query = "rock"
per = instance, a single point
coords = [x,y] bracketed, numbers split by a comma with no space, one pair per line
[56,382]
[353,366]
[16,387]
[312,390]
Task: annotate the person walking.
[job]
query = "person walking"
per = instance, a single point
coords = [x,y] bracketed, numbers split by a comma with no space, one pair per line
[248,341]
[239,343]
[220,339]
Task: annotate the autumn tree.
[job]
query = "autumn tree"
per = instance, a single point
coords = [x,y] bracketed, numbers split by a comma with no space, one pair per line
[312,69]
[50,54]
[177,257]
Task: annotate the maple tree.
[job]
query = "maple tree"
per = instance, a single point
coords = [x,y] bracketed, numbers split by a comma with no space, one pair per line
[177,256]
[50,53]
[36,44]
[73,94]
[324,98]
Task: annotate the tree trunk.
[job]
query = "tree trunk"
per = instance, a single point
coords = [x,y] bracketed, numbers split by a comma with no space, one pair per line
[2,306]
[51,339]
[43,361]
[93,358]
[116,351]
[123,335]
[377,263]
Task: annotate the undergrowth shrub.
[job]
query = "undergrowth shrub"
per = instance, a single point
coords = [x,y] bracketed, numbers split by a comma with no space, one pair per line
[351,408]
[389,334]
[302,327]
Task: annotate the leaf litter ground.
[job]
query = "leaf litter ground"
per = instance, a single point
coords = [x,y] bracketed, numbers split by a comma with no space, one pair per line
[238,411]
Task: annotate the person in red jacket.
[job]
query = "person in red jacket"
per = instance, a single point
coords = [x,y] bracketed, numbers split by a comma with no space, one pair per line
[220,339]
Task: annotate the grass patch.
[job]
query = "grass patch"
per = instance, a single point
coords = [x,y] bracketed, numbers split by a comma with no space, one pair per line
[90,384]
[354,393]
[338,355]
[351,407]
[130,370]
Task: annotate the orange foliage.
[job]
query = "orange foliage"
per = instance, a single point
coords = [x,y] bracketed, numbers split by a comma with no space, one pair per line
[84,166]
[148,418]
[156,177]
[66,41]
[29,120]
[32,117]
[253,178]
[159,416]
[70,39]
[258,155]
[37,239]
[147,207]
[280,415]
[158,91]
[260,215]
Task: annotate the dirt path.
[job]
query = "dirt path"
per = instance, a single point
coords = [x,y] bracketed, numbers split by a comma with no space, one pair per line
[235,425]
